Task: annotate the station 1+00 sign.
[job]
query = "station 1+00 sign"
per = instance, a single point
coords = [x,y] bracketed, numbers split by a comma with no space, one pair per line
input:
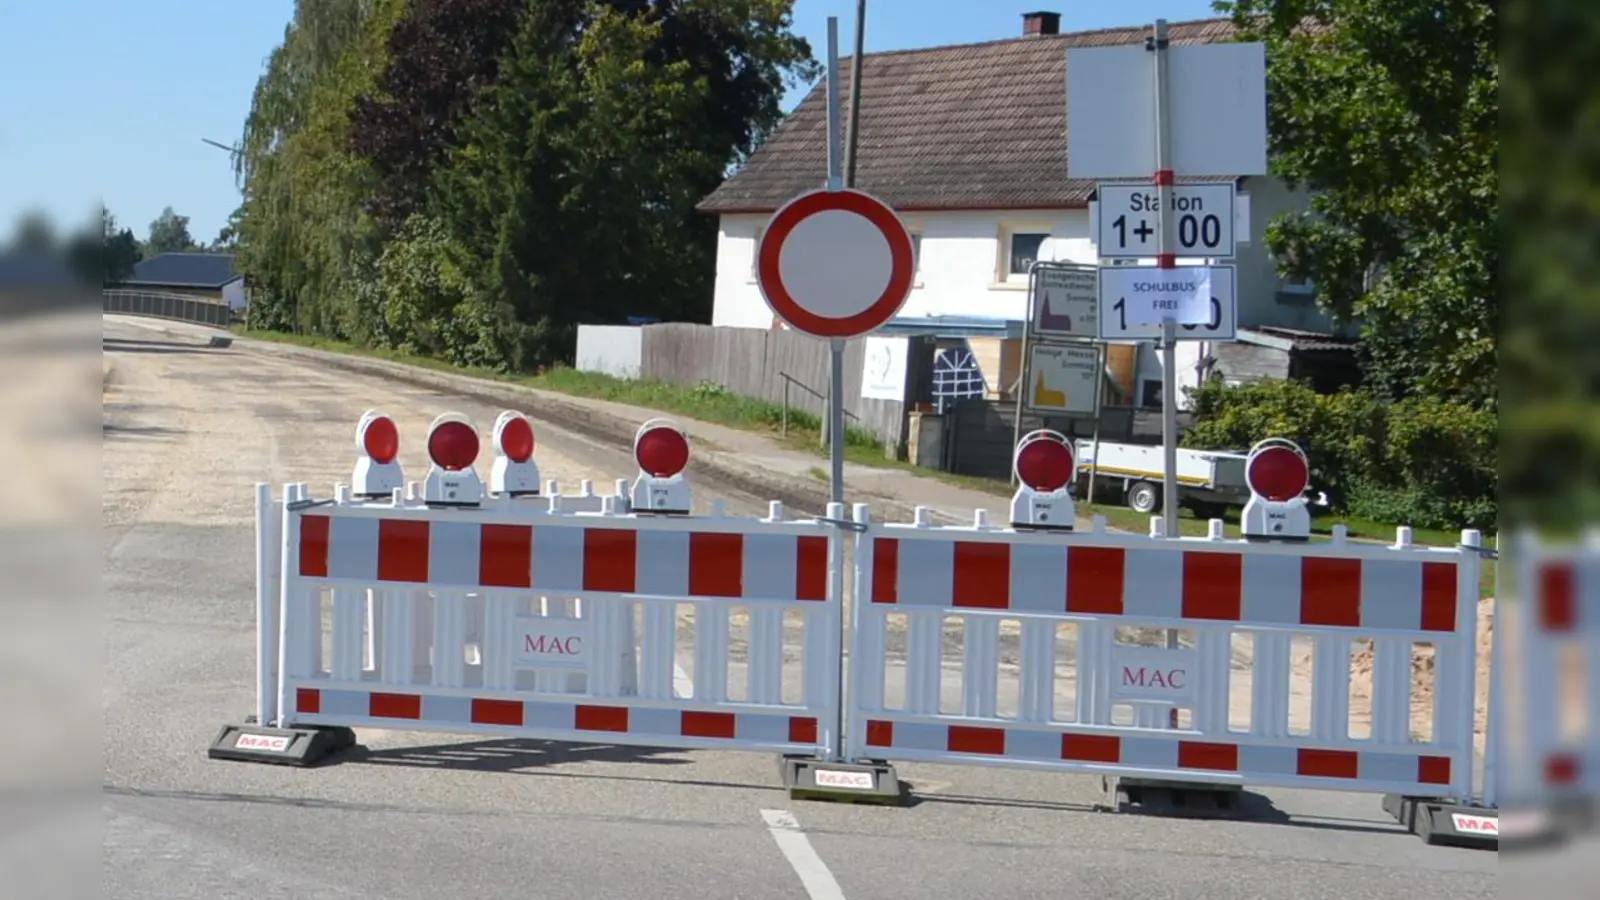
[1203,227]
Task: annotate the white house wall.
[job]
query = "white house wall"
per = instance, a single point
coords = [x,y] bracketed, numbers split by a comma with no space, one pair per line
[960,270]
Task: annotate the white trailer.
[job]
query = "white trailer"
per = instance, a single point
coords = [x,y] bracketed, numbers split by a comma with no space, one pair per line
[1209,481]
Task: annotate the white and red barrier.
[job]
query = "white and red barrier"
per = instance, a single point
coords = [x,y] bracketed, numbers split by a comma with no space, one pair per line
[1543,762]
[507,609]
[512,613]
[984,578]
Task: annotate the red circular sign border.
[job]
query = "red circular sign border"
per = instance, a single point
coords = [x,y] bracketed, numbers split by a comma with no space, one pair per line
[803,207]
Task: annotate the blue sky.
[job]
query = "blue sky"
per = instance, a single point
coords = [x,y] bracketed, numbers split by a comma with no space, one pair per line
[110,98]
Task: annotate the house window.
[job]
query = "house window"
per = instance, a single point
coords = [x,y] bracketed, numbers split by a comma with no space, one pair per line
[1024,251]
[1150,393]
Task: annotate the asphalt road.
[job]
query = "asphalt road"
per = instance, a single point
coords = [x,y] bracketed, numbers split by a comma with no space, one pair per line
[188,430]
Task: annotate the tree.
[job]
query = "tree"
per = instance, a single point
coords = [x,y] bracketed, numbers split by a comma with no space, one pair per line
[169,233]
[1387,112]
[440,56]
[122,251]
[227,239]
[35,233]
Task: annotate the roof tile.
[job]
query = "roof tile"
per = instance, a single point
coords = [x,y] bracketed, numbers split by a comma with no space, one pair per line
[970,126]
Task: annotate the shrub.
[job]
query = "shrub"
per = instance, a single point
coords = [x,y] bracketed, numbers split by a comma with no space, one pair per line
[1423,461]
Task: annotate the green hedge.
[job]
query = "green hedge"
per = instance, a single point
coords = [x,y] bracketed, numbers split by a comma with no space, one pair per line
[1424,462]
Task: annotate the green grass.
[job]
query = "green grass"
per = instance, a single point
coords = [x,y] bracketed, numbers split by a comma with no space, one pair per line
[716,404]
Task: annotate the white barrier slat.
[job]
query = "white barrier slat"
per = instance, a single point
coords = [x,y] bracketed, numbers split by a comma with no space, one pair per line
[1036,681]
[980,676]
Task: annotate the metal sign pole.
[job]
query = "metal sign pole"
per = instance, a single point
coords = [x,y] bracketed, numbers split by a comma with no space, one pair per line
[1166,259]
[836,181]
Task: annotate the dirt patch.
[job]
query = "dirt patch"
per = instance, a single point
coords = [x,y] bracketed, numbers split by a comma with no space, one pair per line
[1422,679]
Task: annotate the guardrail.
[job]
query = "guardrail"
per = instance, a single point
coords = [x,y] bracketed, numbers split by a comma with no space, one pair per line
[161,305]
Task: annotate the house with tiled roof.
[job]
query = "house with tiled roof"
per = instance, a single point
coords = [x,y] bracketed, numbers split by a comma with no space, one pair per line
[208,275]
[968,144]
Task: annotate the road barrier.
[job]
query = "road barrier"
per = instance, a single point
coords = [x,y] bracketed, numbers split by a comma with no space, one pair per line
[1543,764]
[1169,666]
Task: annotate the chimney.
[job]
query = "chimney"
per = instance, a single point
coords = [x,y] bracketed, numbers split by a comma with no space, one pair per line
[1035,24]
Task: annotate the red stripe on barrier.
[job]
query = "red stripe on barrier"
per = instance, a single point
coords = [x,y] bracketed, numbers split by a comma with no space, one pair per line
[505,556]
[980,575]
[1330,592]
[1558,597]
[972,739]
[885,570]
[880,733]
[811,568]
[1100,748]
[308,701]
[497,712]
[1213,586]
[402,551]
[314,546]
[706,724]
[1433,769]
[1327,763]
[1561,770]
[394,706]
[716,564]
[1203,755]
[600,718]
[610,560]
[802,730]
[1438,597]
[1095,579]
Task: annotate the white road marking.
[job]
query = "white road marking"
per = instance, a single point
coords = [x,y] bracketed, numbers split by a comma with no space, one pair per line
[813,872]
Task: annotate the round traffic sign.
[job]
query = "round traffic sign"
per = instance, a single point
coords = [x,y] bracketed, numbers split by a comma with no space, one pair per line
[835,264]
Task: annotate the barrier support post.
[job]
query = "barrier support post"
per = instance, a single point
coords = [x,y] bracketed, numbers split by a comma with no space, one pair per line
[843,778]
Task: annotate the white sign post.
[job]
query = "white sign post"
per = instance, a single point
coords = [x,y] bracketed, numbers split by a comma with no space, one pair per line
[1210,120]
[1132,298]
[1127,228]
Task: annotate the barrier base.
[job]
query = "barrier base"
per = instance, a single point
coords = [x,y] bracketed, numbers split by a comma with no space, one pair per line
[1444,823]
[865,781]
[302,746]
[1159,797]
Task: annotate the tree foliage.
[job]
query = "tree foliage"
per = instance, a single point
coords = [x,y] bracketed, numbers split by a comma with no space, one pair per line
[122,251]
[471,178]
[1387,112]
[169,233]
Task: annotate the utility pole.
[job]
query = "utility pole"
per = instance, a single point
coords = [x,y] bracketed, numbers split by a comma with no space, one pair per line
[855,95]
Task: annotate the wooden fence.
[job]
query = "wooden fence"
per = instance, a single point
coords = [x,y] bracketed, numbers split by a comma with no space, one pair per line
[779,365]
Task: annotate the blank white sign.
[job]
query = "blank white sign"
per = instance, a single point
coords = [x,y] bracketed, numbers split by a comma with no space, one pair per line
[1217,101]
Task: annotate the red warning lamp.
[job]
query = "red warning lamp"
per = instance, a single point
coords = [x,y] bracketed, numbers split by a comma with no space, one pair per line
[1278,474]
[1045,465]
[514,472]
[661,449]
[378,441]
[453,447]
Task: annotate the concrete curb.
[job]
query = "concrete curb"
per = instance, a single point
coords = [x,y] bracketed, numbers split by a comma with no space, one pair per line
[799,494]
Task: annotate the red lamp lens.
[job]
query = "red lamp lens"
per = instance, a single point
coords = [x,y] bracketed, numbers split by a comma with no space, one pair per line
[1045,465]
[1278,474]
[516,439]
[453,446]
[381,440]
[662,452]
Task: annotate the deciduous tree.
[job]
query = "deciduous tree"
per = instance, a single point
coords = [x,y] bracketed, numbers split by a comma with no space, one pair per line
[1387,112]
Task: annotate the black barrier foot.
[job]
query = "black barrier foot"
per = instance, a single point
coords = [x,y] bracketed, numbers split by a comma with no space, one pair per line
[1153,797]
[1443,823]
[303,746]
[865,781]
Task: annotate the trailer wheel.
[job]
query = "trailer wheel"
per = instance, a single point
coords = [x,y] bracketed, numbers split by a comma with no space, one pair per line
[1144,497]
